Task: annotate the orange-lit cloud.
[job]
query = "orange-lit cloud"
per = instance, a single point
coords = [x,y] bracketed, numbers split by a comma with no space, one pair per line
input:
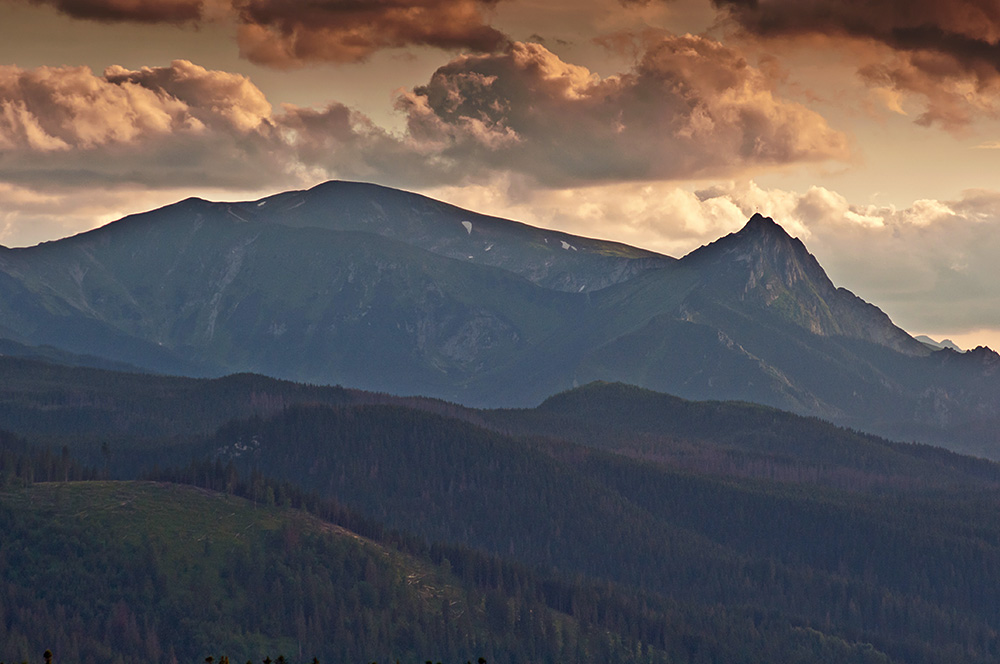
[210,97]
[161,127]
[181,125]
[54,109]
[692,107]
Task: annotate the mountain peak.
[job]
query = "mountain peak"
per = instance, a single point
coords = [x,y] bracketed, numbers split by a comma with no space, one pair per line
[761,239]
[761,229]
[763,265]
[760,223]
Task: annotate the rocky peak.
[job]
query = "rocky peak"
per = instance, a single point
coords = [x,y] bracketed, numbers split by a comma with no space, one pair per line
[758,223]
[763,266]
[762,254]
[986,357]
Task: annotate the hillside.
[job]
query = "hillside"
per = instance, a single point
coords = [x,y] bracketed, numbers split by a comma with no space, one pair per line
[860,566]
[125,422]
[706,530]
[119,572]
[737,438]
[116,572]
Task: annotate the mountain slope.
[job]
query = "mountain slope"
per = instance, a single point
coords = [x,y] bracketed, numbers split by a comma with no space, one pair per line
[108,572]
[762,322]
[221,292]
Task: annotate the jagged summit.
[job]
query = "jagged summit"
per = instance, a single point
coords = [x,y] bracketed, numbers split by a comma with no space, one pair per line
[986,356]
[763,245]
[761,265]
[758,228]
[758,223]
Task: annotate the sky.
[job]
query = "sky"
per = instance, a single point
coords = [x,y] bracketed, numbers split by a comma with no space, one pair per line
[870,129]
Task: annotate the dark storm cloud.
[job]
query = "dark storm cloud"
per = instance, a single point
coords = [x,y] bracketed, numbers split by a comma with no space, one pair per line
[947,52]
[966,29]
[294,33]
[140,11]
[281,33]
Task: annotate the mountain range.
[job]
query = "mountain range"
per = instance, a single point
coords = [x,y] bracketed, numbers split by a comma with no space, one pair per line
[579,516]
[379,289]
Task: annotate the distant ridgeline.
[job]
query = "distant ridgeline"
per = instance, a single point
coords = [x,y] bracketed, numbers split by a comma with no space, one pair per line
[384,290]
[248,515]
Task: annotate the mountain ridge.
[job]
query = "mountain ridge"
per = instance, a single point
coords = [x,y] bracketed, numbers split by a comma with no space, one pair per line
[558,260]
[202,288]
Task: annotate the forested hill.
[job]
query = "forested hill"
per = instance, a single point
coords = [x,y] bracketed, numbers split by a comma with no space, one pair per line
[117,572]
[605,518]
[909,571]
[736,438]
[108,572]
[124,421]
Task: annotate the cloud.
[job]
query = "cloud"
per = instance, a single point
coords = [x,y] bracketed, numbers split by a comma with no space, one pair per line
[162,127]
[293,33]
[946,52]
[138,11]
[966,30]
[184,125]
[338,142]
[55,109]
[210,98]
[284,33]
[165,127]
[691,107]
